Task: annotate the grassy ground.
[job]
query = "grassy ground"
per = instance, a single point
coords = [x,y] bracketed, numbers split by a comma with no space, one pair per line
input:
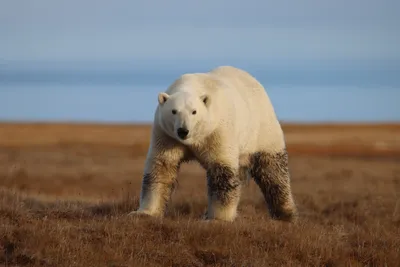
[65,191]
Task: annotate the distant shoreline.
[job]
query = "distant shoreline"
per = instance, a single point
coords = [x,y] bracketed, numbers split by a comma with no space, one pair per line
[364,140]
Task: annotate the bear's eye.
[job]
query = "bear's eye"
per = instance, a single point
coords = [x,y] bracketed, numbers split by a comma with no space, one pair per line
[174,111]
[194,112]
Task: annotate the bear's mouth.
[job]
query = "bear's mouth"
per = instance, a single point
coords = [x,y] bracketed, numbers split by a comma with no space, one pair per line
[184,140]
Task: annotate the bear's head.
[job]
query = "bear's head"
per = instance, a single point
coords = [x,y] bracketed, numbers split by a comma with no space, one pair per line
[185,116]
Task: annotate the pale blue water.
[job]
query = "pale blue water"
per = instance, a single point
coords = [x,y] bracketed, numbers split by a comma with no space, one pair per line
[132,98]
[127,103]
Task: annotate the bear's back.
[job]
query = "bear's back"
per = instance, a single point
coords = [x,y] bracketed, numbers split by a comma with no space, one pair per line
[238,79]
[197,83]
[246,87]
[255,111]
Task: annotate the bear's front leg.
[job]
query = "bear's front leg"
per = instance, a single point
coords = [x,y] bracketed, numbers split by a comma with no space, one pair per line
[224,188]
[159,178]
[157,187]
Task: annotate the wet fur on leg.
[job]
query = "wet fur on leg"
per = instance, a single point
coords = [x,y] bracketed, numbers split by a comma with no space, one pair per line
[157,188]
[270,171]
[223,192]
[150,184]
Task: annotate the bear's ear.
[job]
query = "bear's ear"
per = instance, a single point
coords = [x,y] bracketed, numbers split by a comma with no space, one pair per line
[162,97]
[205,99]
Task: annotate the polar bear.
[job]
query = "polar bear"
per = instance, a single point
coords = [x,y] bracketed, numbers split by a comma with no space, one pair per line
[223,119]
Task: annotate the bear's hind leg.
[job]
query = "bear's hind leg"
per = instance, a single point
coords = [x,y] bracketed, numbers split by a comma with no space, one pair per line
[271,173]
[224,188]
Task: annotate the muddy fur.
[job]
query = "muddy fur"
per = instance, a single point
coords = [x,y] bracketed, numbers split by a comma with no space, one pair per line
[167,177]
[271,173]
[223,187]
[222,183]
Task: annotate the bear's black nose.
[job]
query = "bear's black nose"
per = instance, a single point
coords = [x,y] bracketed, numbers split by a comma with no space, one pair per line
[182,132]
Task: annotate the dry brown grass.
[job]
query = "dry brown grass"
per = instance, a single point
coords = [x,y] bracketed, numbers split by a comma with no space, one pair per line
[66,190]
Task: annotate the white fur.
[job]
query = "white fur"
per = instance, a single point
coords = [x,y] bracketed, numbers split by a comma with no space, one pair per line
[239,105]
[235,120]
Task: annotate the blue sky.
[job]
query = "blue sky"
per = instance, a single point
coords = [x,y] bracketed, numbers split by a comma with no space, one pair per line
[289,42]
[252,30]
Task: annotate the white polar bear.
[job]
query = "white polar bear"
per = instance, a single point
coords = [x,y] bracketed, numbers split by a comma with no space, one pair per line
[224,120]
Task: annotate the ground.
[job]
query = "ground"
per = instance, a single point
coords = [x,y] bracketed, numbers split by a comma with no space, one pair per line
[65,191]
